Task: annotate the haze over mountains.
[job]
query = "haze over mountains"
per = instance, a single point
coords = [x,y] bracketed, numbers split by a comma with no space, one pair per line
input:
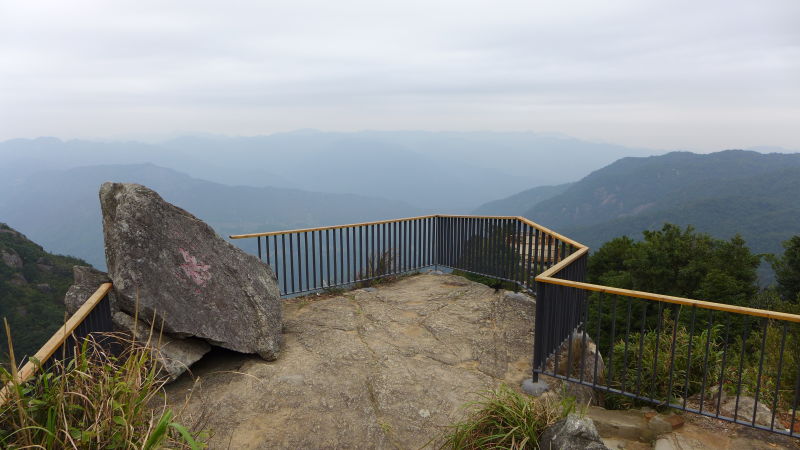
[723,193]
[442,171]
[60,209]
[591,192]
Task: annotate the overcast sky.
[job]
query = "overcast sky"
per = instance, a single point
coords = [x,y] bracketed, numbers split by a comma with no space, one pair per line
[702,75]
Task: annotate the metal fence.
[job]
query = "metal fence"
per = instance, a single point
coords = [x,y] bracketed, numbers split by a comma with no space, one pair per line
[723,361]
[718,360]
[505,248]
[94,316]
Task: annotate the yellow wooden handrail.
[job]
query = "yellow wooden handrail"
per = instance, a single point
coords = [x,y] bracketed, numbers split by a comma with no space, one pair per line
[58,338]
[548,275]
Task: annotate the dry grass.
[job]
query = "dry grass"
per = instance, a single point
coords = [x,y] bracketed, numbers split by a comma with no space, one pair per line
[94,400]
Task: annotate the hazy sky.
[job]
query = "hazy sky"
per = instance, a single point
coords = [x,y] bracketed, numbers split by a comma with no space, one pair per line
[703,75]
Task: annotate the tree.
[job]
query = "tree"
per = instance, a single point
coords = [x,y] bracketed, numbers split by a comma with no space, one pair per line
[787,270]
[679,262]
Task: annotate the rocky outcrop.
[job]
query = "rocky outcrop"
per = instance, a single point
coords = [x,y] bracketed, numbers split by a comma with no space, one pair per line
[176,269]
[385,368]
[174,354]
[572,433]
[87,280]
[11,259]
[743,410]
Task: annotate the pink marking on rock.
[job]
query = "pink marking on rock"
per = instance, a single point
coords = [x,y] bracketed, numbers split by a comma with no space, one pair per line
[195,271]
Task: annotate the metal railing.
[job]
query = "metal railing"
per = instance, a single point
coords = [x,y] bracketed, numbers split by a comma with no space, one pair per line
[723,361]
[507,248]
[718,360]
[94,316]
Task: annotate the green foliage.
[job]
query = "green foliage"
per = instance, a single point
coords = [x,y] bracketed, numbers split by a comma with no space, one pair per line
[94,400]
[505,419]
[722,194]
[679,262]
[32,297]
[649,365]
[787,270]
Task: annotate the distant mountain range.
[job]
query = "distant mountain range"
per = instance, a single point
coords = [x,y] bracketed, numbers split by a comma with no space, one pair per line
[442,171]
[523,201]
[724,193]
[61,211]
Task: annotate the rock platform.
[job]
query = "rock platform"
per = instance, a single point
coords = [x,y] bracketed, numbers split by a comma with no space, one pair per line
[371,368]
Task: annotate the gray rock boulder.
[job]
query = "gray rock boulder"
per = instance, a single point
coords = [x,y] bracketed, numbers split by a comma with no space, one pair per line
[744,410]
[174,354]
[87,280]
[11,258]
[572,433]
[185,275]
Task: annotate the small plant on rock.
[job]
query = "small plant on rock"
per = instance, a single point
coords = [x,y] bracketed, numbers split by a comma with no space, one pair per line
[505,419]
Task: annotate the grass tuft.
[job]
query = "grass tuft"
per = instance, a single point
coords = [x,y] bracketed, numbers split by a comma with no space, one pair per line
[94,400]
[505,419]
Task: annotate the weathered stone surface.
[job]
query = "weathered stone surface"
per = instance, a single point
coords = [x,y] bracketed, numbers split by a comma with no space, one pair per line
[384,369]
[569,362]
[17,279]
[175,354]
[191,279]
[572,433]
[744,412]
[627,424]
[11,258]
[87,280]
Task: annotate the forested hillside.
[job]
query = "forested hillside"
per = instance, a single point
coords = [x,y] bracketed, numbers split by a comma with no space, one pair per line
[32,287]
[722,194]
[523,201]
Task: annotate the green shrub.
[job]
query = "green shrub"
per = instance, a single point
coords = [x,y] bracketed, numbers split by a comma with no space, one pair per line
[94,400]
[664,378]
[505,419]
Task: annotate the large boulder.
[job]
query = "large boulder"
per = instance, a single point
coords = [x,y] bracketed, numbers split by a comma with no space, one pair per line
[173,267]
[572,433]
[174,354]
[87,280]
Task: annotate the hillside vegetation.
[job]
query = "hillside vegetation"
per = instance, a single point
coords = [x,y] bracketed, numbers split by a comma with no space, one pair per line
[523,201]
[32,287]
[722,194]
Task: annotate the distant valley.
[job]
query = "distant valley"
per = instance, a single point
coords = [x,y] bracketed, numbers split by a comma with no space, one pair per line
[450,172]
[61,211]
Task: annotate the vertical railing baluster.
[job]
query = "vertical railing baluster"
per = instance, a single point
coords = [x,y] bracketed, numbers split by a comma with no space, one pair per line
[305,253]
[741,367]
[760,367]
[285,288]
[778,378]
